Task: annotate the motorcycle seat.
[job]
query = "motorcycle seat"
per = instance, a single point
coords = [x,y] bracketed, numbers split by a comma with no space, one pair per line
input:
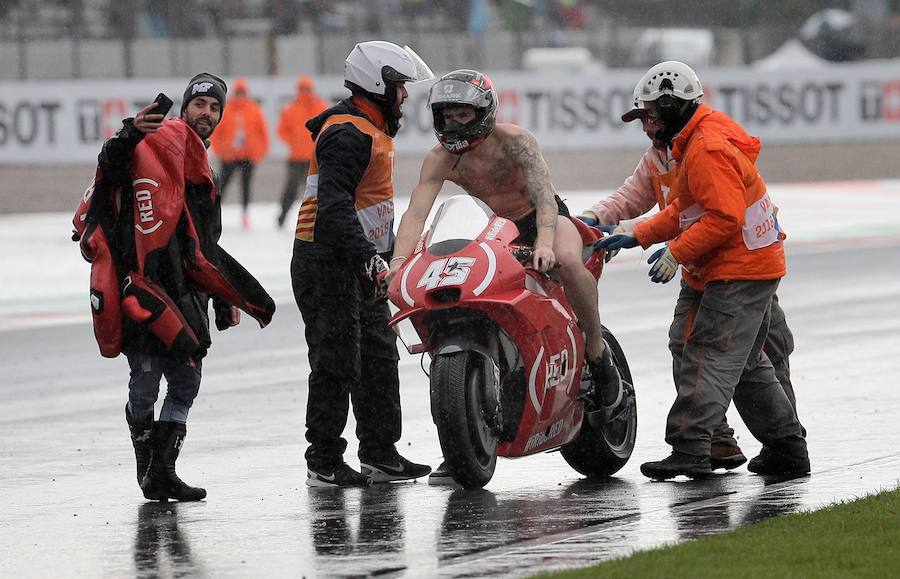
[589,235]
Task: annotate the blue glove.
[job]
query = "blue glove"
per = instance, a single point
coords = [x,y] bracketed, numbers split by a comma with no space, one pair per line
[617,241]
[607,228]
[588,220]
[665,266]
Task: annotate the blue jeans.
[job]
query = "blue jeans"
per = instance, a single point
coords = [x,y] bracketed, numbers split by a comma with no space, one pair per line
[183,383]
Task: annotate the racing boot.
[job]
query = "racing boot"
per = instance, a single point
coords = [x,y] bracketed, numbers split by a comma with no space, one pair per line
[609,392]
[161,483]
[141,430]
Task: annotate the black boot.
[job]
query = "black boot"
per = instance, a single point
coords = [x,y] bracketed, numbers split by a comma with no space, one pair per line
[606,379]
[678,463]
[161,482]
[608,412]
[770,462]
[141,430]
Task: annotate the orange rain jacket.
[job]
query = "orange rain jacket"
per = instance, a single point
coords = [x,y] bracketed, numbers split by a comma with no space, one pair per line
[722,223]
[242,133]
[292,124]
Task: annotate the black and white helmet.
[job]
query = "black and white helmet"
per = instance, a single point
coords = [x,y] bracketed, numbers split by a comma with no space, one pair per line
[375,67]
[464,87]
[683,82]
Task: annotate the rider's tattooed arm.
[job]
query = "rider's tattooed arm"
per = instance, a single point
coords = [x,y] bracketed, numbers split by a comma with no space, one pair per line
[524,150]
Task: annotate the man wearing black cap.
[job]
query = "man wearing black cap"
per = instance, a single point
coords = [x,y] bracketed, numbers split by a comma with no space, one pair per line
[209,88]
[155,214]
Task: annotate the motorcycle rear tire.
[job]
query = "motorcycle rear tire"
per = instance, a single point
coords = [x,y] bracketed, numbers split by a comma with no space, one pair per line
[457,401]
[592,454]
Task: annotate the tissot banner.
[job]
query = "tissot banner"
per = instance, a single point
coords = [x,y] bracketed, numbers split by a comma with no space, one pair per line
[67,121]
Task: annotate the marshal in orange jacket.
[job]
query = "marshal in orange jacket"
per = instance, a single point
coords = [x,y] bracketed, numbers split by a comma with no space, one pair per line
[722,223]
[242,133]
[292,124]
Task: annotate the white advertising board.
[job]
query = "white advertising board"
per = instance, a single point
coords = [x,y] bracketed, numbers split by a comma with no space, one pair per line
[67,121]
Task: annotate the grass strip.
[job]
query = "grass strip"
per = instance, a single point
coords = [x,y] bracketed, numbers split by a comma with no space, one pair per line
[859,538]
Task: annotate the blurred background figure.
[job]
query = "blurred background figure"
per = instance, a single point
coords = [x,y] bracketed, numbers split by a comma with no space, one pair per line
[292,130]
[241,141]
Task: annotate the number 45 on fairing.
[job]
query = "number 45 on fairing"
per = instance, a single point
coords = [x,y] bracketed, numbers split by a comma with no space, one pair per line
[444,272]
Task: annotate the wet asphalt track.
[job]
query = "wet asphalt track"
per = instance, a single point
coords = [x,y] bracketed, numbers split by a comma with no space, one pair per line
[69,505]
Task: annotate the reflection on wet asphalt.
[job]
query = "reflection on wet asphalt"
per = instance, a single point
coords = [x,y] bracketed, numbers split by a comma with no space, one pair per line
[70,506]
[159,547]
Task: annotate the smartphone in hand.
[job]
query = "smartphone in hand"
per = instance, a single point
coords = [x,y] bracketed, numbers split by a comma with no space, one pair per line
[163,104]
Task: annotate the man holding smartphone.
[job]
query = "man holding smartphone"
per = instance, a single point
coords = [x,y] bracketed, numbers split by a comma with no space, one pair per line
[166,264]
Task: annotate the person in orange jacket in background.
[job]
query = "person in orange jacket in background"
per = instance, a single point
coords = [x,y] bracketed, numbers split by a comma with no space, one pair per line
[241,141]
[292,130]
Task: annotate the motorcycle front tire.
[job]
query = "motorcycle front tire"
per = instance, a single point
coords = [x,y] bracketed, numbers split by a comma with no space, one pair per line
[458,408]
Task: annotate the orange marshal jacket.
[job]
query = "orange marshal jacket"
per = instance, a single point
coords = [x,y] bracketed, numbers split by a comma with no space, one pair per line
[348,206]
[722,223]
[242,133]
[292,125]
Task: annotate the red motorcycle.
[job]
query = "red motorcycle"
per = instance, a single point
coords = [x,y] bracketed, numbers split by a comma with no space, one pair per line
[507,356]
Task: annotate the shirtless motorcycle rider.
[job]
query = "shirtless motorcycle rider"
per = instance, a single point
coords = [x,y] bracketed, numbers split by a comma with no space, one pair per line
[501,164]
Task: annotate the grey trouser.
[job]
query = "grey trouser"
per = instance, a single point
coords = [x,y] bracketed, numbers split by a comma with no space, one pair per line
[183,383]
[717,338]
[778,347]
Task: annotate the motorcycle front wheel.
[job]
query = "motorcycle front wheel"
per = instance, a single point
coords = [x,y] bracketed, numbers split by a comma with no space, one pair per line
[458,408]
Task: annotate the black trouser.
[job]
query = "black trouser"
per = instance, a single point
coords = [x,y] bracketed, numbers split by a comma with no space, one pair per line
[228,168]
[352,357]
[297,171]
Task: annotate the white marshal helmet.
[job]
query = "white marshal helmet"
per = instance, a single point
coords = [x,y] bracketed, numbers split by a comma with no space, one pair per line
[372,66]
[682,82]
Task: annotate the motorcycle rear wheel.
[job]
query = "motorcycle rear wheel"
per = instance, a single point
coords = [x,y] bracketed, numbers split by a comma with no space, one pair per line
[457,401]
[594,453]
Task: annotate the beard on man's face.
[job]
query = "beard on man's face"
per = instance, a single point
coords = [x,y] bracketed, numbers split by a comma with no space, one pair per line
[397,110]
[202,124]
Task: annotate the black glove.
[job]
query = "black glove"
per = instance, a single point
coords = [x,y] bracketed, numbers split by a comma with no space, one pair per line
[376,269]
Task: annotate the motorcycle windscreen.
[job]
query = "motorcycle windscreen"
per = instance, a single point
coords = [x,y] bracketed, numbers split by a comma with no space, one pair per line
[457,222]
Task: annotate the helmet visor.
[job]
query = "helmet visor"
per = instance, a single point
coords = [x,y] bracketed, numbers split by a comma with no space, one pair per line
[458,92]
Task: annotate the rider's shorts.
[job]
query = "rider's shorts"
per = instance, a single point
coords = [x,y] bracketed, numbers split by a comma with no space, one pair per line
[528,224]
